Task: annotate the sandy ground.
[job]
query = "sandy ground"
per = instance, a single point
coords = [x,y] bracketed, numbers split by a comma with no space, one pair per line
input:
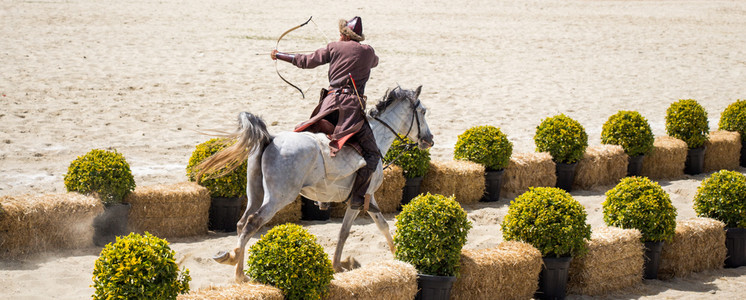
[143,76]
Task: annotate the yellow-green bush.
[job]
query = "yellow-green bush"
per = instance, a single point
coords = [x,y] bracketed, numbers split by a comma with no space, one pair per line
[289,258]
[630,130]
[639,203]
[103,172]
[232,184]
[430,232]
[549,219]
[722,196]
[564,138]
[687,120]
[733,118]
[414,161]
[485,145]
[138,267]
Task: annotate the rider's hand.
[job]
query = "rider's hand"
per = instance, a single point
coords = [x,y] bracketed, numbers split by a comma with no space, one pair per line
[273,54]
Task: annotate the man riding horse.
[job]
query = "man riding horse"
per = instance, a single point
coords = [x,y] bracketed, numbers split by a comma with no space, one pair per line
[341,110]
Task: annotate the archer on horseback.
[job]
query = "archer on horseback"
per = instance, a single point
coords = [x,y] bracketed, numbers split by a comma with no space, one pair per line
[341,110]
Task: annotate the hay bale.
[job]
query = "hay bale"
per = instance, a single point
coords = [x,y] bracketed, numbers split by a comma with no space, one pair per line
[723,151]
[462,179]
[666,160]
[528,170]
[388,195]
[614,261]
[288,214]
[508,271]
[38,223]
[601,165]
[698,245]
[169,210]
[384,280]
[244,291]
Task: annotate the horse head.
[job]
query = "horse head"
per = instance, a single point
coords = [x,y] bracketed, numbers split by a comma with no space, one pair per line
[407,104]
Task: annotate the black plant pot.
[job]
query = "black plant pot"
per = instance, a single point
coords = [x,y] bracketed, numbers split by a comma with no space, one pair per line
[565,175]
[434,287]
[111,223]
[224,213]
[735,242]
[743,153]
[635,165]
[411,189]
[652,259]
[553,278]
[311,212]
[493,183]
[695,161]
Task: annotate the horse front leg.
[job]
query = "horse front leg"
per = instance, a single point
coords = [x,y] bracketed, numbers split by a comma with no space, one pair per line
[344,232]
[383,227]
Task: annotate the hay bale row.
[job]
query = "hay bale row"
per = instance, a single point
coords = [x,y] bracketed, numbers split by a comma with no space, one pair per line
[723,151]
[388,196]
[698,245]
[384,280]
[245,291]
[462,179]
[169,210]
[601,165]
[666,160]
[32,224]
[528,170]
[508,271]
[614,261]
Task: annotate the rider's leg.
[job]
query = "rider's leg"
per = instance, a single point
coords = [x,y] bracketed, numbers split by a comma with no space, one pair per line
[362,179]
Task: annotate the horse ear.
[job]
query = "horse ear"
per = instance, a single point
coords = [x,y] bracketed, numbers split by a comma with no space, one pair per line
[417,92]
[387,94]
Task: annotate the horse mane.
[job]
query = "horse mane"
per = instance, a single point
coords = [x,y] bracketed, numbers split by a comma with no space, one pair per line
[390,97]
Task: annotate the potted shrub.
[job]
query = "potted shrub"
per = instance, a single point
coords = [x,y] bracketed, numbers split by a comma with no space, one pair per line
[106,174]
[430,232]
[632,131]
[687,120]
[226,192]
[733,118]
[488,146]
[565,139]
[290,259]
[414,162]
[722,196]
[555,223]
[138,267]
[638,202]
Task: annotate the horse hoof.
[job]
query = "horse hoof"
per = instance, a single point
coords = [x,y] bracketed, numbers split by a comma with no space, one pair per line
[222,257]
[242,279]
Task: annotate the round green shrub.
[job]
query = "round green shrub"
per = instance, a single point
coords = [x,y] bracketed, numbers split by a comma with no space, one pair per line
[138,267]
[232,184]
[630,130]
[485,145]
[549,219]
[639,203]
[103,172]
[414,161]
[430,232]
[722,196]
[564,138]
[289,258]
[687,120]
[734,118]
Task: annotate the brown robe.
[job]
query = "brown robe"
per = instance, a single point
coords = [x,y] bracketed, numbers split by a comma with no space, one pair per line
[344,58]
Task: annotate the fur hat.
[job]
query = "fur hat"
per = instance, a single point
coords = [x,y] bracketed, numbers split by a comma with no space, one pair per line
[352,28]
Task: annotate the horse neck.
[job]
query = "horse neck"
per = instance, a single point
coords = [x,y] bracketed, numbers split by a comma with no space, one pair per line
[394,117]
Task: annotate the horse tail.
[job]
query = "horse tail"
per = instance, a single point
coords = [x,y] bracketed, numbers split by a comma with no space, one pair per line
[251,134]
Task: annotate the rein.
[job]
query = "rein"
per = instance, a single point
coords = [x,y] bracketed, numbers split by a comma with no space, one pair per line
[408,146]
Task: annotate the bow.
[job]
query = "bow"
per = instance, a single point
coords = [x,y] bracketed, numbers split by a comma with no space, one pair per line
[277,46]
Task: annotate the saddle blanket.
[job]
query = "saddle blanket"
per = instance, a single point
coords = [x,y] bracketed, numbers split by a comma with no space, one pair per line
[346,162]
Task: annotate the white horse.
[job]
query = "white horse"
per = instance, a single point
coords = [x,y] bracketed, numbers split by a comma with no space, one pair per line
[282,166]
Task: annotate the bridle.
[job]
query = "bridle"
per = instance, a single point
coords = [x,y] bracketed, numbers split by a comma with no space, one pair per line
[407,145]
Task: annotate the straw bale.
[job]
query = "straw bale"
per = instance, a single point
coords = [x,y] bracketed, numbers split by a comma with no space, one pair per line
[38,223]
[698,245]
[528,170]
[288,214]
[243,291]
[508,271]
[169,210]
[601,165]
[666,160]
[384,280]
[723,151]
[462,179]
[388,196]
[614,261]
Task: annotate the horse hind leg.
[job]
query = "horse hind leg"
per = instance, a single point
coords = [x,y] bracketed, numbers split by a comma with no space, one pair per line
[344,232]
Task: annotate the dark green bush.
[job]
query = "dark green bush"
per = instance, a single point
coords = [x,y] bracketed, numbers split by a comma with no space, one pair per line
[485,145]
[630,130]
[687,120]
[637,202]
[414,161]
[734,118]
[564,138]
[103,172]
[232,184]
[722,196]
[138,267]
[430,232]
[550,220]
